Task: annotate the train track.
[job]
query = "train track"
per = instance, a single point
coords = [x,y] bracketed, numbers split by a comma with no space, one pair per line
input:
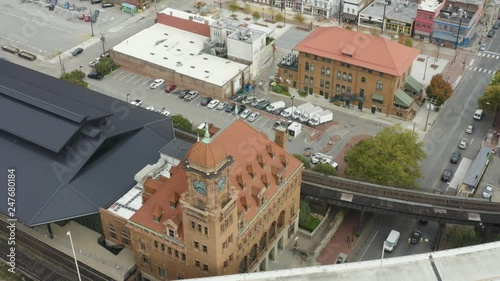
[44,262]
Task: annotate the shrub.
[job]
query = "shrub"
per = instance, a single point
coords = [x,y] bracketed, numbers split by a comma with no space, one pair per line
[325,169]
[303,93]
[303,159]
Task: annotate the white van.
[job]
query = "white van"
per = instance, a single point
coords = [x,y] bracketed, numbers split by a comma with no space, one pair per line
[275,105]
[478,115]
[391,241]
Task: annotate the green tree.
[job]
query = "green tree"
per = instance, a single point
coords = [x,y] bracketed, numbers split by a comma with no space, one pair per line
[348,27]
[490,101]
[182,123]
[247,9]
[75,77]
[439,89]
[233,6]
[391,158]
[278,17]
[298,17]
[495,80]
[408,42]
[105,66]
[256,16]
[305,212]
[303,159]
[325,169]
[461,236]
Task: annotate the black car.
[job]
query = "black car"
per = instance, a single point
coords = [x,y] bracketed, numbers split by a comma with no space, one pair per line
[278,111]
[415,237]
[455,157]
[496,25]
[107,5]
[183,93]
[447,174]
[77,51]
[95,2]
[95,75]
[491,33]
[263,105]
[205,101]
[238,98]
[230,107]
[241,107]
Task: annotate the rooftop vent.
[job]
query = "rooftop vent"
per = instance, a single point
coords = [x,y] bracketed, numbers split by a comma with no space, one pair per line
[205,58]
[191,54]
[206,71]
[178,50]
[179,63]
[165,58]
[166,34]
[192,42]
[192,66]
[166,46]
[152,54]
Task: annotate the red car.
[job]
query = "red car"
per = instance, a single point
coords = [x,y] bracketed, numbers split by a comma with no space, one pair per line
[170,88]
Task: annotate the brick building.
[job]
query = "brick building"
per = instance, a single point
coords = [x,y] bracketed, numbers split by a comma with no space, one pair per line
[364,70]
[227,208]
[427,11]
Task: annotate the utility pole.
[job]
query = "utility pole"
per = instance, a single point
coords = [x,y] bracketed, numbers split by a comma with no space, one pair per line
[91,23]
[429,103]
[461,15]
[102,40]
[340,9]
[63,69]
[425,69]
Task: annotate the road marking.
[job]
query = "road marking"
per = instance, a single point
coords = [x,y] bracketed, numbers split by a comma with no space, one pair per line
[471,62]
[366,249]
[137,81]
[471,141]
[264,123]
[488,56]
[475,68]
[147,80]
[489,71]
[125,76]
[497,57]
[117,74]
[135,75]
[485,70]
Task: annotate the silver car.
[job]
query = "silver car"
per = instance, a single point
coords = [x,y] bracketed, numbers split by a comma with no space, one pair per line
[488,191]
[253,117]
[463,143]
[191,95]
[245,113]
[221,105]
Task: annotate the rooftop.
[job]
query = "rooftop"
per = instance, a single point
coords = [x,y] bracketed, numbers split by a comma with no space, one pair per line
[226,23]
[246,34]
[404,11]
[268,31]
[359,49]
[429,5]
[475,171]
[69,143]
[187,16]
[180,51]
[454,14]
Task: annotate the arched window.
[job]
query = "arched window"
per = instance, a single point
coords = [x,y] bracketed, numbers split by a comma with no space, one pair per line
[307,66]
[312,67]
[349,78]
[125,236]
[322,70]
[380,85]
[363,79]
[339,75]
[327,71]
[112,230]
[344,76]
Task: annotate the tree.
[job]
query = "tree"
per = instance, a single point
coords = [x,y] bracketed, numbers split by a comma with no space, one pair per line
[439,89]
[233,6]
[461,236]
[105,66]
[298,17]
[75,77]
[305,212]
[247,9]
[279,17]
[182,123]
[490,101]
[408,42]
[495,80]
[325,169]
[303,159]
[391,158]
[256,16]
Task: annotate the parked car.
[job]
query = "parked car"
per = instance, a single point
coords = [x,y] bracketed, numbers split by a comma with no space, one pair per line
[183,94]
[157,83]
[257,101]
[245,113]
[77,51]
[95,2]
[213,103]
[170,88]
[278,111]
[94,62]
[95,75]
[165,112]
[415,237]
[205,101]
[248,100]
[105,55]
[491,33]
[191,96]
[263,105]
[107,5]
[136,102]
[455,157]
[469,129]
[238,98]
[496,25]
[253,117]
[488,191]
[482,47]
[241,108]
[221,105]
[447,174]
[230,107]
[150,108]
[463,143]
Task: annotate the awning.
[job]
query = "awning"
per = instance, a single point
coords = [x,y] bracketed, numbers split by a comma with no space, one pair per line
[378,97]
[403,99]
[349,17]
[413,85]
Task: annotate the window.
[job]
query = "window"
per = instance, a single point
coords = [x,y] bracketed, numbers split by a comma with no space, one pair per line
[327,71]
[205,249]
[342,64]
[125,236]
[363,79]
[365,70]
[169,250]
[315,57]
[205,231]
[430,17]
[171,233]
[380,86]
[429,26]
[339,75]
[307,66]
[323,59]
[344,76]
[197,263]
[329,60]
[312,67]
[286,72]
[205,267]
[156,244]
[145,259]
[307,55]
[193,225]
[162,247]
[143,246]
[231,257]
[306,80]
[361,92]
[199,227]
[337,88]
[172,205]
[176,253]
[290,74]
[348,90]
[418,24]
[112,230]
[162,272]
[225,264]
[322,83]
[425,16]
[347,65]
[349,78]
[183,257]
[196,245]
[327,84]
[322,70]
[311,80]
[381,74]
[343,89]
[419,14]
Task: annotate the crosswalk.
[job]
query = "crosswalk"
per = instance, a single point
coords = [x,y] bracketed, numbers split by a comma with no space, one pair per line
[482,70]
[488,56]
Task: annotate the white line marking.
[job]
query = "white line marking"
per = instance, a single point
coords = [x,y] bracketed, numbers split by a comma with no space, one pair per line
[125,76]
[471,62]
[471,141]
[475,68]
[135,75]
[367,247]
[117,74]
[485,70]
[489,71]
[497,57]
[137,81]
[488,56]
[145,82]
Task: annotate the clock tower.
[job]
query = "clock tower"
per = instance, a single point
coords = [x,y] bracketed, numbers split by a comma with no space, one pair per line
[209,208]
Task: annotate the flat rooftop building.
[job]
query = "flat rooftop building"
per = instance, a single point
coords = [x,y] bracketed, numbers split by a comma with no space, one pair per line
[399,16]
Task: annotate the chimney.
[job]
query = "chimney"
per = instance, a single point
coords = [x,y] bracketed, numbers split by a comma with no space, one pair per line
[280,136]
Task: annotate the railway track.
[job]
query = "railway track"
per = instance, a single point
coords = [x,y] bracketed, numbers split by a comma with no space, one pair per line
[43,262]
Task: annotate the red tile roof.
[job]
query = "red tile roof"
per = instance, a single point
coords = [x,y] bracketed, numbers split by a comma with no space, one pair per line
[359,49]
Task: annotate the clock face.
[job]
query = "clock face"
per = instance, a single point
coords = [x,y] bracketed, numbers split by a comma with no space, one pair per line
[200,187]
[222,183]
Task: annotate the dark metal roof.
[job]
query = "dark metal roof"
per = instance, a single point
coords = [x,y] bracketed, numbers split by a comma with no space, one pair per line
[176,148]
[74,150]
[477,168]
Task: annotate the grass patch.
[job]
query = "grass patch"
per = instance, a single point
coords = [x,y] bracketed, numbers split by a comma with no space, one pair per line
[6,275]
[310,223]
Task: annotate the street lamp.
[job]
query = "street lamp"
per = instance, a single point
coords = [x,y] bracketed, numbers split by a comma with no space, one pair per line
[74,255]
[381,259]
[127,97]
[494,114]
[91,22]
[425,69]
[102,40]
[429,103]
[461,14]
[291,111]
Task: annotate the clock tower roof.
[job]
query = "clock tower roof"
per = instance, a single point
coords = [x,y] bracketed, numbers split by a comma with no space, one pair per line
[207,156]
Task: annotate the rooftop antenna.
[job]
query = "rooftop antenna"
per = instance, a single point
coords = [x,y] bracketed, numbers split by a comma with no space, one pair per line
[236,111]
[206,139]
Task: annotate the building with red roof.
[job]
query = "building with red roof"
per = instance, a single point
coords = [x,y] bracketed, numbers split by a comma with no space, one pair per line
[227,208]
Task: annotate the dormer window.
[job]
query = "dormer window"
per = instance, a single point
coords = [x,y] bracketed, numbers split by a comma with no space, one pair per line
[172,205]
[156,219]
[171,233]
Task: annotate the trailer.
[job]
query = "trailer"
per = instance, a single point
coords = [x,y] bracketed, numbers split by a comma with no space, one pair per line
[294,129]
[321,118]
[308,113]
[298,111]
